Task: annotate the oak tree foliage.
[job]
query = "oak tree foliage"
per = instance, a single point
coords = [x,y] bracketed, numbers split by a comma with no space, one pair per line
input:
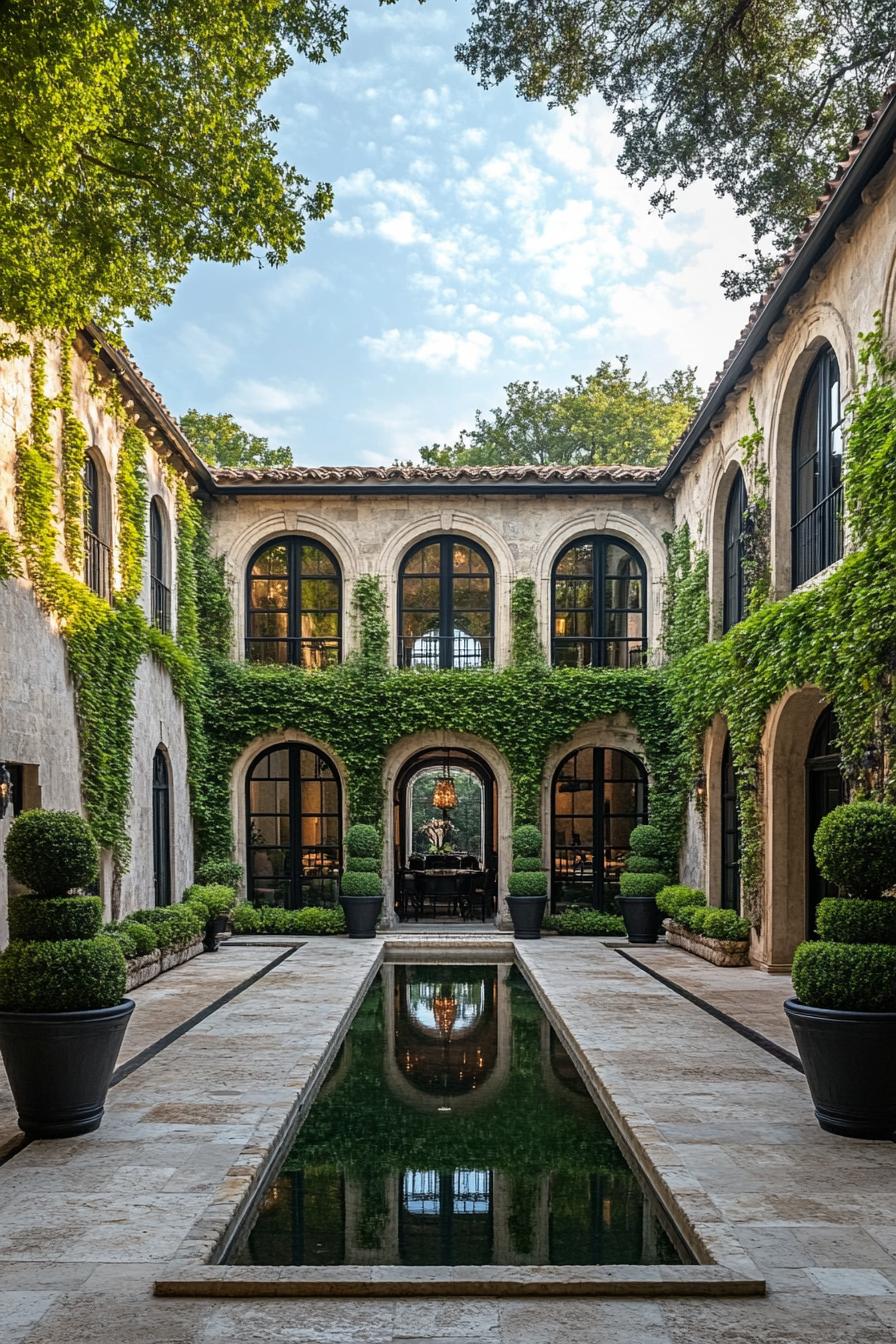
[222,442]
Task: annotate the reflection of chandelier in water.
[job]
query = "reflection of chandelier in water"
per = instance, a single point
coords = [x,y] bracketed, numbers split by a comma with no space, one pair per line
[444,1010]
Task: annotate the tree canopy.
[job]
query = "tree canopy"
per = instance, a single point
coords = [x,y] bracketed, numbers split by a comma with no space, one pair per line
[219,440]
[132,141]
[606,417]
[759,96]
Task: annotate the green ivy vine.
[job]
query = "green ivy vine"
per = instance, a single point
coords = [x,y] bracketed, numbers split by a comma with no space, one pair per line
[686,607]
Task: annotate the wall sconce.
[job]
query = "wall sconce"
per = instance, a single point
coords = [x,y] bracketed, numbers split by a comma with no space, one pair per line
[700,788]
[5,789]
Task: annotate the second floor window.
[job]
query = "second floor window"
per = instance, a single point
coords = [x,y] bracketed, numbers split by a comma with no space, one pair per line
[159,588]
[294,604]
[446,614]
[599,592]
[818,471]
[97,551]
[735,597]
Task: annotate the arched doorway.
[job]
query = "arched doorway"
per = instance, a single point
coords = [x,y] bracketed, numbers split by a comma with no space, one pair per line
[161,828]
[730,849]
[825,790]
[445,857]
[598,797]
[293,827]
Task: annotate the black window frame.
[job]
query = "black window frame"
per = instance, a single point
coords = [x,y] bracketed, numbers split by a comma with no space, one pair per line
[97,572]
[294,641]
[296,882]
[598,643]
[159,588]
[734,590]
[449,657]
[817,534]
[826,788]
[729,818]
[603,886]
[161,828]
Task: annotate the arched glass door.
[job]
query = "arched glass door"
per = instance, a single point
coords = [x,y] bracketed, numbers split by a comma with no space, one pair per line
[161,829]
[294,821]
[825,790]
[599,796]
[730,833]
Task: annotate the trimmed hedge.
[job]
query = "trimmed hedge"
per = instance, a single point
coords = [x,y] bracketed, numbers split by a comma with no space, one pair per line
[136,939]
[361,884]
[52,853]
[62,977]
[357,863]
[220,873]
[675,898]
[217,898]
[641,863]
[646,841]
[855,847]
[850,976]
[528,884]
[271,919]
[847,919]
[54,919]
[525,863]
[585,923]
[174,925]
[526,842]
[362,842]
[713,922]
[642,884]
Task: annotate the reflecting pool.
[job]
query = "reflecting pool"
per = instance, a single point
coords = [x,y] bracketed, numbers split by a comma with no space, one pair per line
[454,1129]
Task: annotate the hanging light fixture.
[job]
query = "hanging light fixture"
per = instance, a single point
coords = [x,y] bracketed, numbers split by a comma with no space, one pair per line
[444,794]
[6,789]
[444,1010]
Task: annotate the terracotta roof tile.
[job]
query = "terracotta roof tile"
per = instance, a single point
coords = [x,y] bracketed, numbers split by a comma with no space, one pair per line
[438,475]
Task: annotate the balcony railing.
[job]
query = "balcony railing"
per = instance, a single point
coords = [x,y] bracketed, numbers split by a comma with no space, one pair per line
[313,653]
[97,565]
[569,651]
[818,538]
[160,605]
[459,651]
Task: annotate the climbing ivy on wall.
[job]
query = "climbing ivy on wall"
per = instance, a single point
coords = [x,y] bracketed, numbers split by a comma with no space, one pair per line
[686,607]
[756,522]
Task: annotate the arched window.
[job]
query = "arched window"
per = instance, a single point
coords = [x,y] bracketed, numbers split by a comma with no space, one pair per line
[159,587]
[599,589]
[817,471]
[161,829]
[734,604]
[730,832]
[825,790]
[599,796]
[97,552]
[446,615]
[294,604]
[294,821]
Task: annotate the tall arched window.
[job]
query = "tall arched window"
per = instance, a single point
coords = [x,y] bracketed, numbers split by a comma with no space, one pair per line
[734,604]
[97,551]
[159,587]
[446,605]
[294,604]
[730,832]
[599,795]
[817,531]
[599,588]
[161,829]
[825,790]
[294,821]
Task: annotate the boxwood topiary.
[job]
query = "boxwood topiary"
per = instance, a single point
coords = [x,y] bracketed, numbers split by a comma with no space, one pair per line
[245,919]
[219,873]
[642,884]
[526,842]
[55,919]
[845,919]
[362,884]
[217,898]
[855,847]
[524,863]
[62,977]
[528,884]
[641,863]
[52,853]
[125,936]
[140,936]
[174,925]
[356,863]
[585,923]
[714,923]
[673,899]
[856,977]
[646,840]
[362,842]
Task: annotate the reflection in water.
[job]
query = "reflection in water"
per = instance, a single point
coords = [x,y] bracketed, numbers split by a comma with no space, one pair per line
[454,1129]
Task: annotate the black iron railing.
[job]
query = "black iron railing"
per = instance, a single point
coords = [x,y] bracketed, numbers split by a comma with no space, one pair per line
[160,605]
[818,538]
[457,650]
[304,652]
[97,565]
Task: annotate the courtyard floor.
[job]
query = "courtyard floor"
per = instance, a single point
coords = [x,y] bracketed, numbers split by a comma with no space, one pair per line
[724,1128]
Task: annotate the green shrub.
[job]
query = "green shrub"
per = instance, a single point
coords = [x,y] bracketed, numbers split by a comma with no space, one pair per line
[199,908]
[525,863]
[217,898]
[317,920]
[528,884]
[357,863]
[362,842]
[361,884]
[640,863]
[847,919]
[174,925]
[646,840]
[526,842]
[54,919]
[62,977]
[857,978]
[585,922]
[675,898]
[245,919]
[855,847]
[125,936]
[142,938]
[642,884]
[311,920]
[713,922]
[52,853]
[220,873]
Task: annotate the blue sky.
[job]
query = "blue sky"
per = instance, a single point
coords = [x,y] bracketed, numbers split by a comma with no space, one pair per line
[475,239]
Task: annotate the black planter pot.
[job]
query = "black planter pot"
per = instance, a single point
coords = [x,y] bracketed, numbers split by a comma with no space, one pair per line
[217,925]
[361,914]
[642,918]
[59,1066]
[527,912]
[848,1058]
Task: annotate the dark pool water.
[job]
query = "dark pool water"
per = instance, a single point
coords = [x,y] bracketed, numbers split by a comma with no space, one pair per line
[454,1129]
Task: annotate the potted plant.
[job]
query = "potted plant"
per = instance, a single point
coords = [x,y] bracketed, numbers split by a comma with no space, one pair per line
[62,1011]
[640,883]
[844,1013]
[361,892]
[217,902]
[527,884]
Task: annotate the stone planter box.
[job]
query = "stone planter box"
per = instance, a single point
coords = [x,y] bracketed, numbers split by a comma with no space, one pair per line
[719,951]
[143,969]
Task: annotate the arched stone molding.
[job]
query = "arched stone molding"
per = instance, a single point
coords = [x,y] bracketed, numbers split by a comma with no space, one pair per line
[785,743]
[713,749]
[285,523]
[608,522]
[888,306]
[822,324]
[456,522]
[241,769]
[397,758]
[725,474]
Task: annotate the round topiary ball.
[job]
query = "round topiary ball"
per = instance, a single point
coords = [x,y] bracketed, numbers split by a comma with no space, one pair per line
[362,884]
[855,848]
[526,842]
[362,842]
[646,840]
[52,853]
[62,977]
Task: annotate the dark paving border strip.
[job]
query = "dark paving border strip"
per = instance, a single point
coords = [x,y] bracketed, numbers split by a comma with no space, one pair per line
[756,1037]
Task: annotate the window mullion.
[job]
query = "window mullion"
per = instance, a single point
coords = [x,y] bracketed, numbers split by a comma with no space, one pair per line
[295,825]
[598,569]
[446,602]
[293,621]
[597,824]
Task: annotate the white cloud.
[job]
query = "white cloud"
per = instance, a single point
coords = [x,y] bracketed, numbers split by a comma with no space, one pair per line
[253,395]
[347,228]
[207,353]
[434,349]
[360,183]
[402,228]
[473,135]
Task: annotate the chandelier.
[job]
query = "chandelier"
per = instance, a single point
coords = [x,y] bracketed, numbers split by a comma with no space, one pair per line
[444,794]
[444,1010]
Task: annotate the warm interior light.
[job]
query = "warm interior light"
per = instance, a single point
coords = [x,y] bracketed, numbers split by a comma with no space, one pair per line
[445,794]
[444,1010]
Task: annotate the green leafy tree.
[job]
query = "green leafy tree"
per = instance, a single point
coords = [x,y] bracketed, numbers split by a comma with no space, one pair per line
[133,141]
[608,416]
[218,439]
[758,96]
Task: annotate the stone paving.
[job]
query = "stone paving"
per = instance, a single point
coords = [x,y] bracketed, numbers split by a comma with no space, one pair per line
[88,1225]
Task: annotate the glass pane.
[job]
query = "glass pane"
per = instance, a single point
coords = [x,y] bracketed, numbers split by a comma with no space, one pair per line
[315,561]
[319,624]
[420,594]
[320,594]
[427,560]
[269,593]
[619,562]
[270,830]
[269,796]
[271,561]
[414,623]
[578,559]
[268,625]
[472,594]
